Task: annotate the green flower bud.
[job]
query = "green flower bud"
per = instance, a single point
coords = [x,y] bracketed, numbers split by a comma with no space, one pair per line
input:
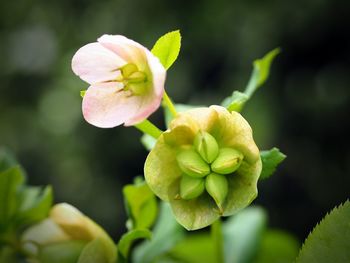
[192,164]
[206,146]
[190,187]
[66,230]
[68,252]
[217,187]
[227,161]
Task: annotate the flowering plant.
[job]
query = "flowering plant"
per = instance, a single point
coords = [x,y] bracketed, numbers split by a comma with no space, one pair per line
[205,165]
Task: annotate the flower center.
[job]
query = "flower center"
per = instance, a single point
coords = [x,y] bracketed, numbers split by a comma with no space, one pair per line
[134,80]
[206,167]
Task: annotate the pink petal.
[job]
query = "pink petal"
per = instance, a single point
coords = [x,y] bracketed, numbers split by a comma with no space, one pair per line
[93,63]
[158,73]
[151,101]
[106,106]
[147,106]
[125,48]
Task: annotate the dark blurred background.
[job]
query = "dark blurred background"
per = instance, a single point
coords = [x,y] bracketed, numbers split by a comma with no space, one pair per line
[302,109]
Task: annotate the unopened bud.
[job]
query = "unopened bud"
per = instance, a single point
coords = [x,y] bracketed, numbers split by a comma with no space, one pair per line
[190,187]
[192,164]
[206,146]
[227,161]
[72,221]
[217,186]
[68,251]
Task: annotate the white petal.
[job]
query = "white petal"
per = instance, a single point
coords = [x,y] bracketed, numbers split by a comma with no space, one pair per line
[129,50]
[94,63]
[107,106]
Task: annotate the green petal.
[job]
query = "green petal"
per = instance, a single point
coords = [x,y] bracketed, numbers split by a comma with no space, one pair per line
[232,130]
[193,214]
[180,135]
[161,168]
[202,118]
[242,187]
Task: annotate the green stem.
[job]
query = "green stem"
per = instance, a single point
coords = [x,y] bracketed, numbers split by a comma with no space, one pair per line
[217,238]
[167,101]
[149,128]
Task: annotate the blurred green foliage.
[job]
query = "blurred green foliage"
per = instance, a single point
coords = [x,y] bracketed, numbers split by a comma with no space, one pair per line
[303,109]
[246,238]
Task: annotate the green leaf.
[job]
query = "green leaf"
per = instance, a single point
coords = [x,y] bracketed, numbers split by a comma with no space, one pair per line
[10,181]
[167,48]
[93,252]
[82,93]
[127,239]
[7,160]
[8,255]
[167,232]
[330,239]
[141,205]
[236,101]
[35,204]
[261,71]
[270,160]
[195,248]
[277,247]
[242,234]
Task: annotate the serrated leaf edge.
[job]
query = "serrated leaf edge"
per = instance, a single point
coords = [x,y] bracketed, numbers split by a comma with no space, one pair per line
[328,214]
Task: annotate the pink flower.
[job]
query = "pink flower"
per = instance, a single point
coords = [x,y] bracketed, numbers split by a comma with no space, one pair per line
[126,81]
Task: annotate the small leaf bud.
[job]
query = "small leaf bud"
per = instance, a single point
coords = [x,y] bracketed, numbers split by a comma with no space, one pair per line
[217,186]
[206,146]
[192,164]
[227,161]
[190,187]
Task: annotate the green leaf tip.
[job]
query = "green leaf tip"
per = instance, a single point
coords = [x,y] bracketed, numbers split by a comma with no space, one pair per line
[141,205]
[35,204]
[130,237]
[242,234]
[270,160]
[329,241]
[167,48]
[261,71]
[82,93]
[263,65]
[10,182]
[166,234]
